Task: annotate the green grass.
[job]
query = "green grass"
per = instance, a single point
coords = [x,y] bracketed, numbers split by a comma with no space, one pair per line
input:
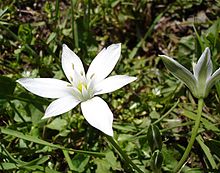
[31,38]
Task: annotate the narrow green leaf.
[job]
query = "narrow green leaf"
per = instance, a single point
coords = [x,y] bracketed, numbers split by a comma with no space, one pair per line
[2,12]
[207,124]
[5,152]
[51,37]
[57,10]
[42,142]
[214,146]
[79,162]
[37,161]
[156,161]
[8,166]
[206,151]
[68,160]
[16,163]
[74,24]
[154,138]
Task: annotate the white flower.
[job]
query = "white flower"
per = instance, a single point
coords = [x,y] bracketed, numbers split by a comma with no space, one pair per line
[202,79]
[82,88]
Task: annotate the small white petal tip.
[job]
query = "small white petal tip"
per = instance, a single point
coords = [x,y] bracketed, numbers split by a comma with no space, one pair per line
[23,81]
[207,50]
[114,46]
[110,133]
[44,117]
[64,46]
[134,78]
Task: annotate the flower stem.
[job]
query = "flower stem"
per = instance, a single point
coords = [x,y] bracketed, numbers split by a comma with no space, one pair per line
[123,154]
[193,136]
[166,114]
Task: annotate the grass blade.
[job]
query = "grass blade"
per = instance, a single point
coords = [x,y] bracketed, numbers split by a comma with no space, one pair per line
[42,142]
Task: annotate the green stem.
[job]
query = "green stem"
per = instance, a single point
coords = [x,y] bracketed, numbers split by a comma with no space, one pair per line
[74,24]
[68,159]
[167,113]
[193,136]
[123,154]
[57,10]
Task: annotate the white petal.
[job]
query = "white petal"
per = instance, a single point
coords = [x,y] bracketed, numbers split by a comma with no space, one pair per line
[181,73]
[104,62]
[98,114]
[61,106]
[216,75]
[46,87]
[213,79]
[113,83]
[71,62]
[203,69]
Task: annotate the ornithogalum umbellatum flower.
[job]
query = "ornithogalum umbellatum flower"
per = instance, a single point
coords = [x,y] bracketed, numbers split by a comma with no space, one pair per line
[202,79]
[82,87]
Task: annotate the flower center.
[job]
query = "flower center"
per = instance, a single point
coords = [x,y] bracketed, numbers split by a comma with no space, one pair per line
[84,90]
[83,87]
[80,86]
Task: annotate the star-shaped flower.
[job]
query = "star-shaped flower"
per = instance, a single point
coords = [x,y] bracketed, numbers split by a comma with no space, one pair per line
[82,88]
[202,79]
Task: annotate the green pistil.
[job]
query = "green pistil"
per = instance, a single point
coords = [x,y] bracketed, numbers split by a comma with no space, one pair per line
[80,85]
